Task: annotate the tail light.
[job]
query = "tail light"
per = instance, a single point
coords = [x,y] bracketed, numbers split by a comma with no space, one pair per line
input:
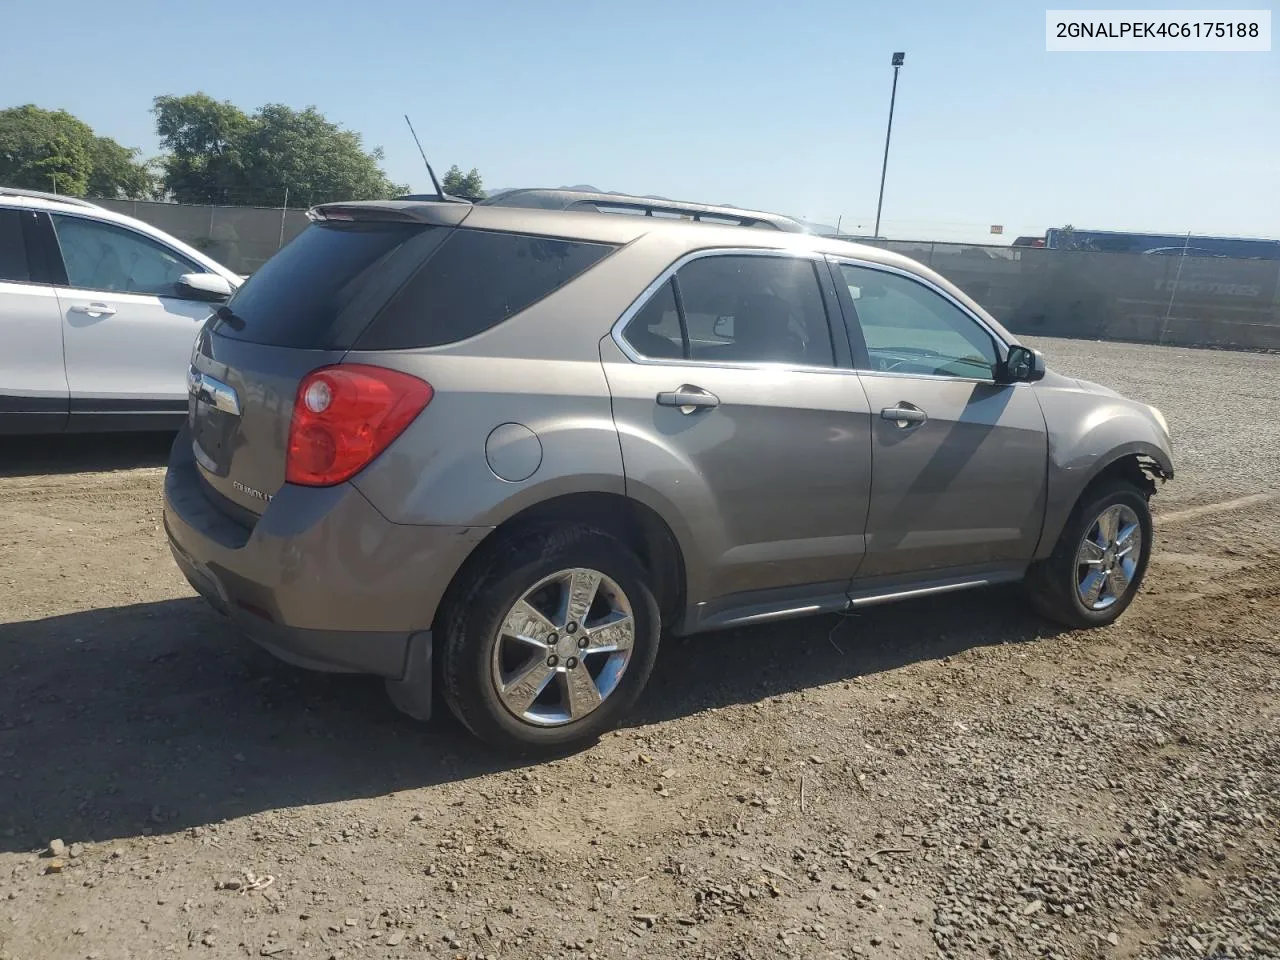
[344,416]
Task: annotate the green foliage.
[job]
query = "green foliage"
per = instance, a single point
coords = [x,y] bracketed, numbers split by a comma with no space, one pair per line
[218,154]
[468,186]
[203,138]
[117,172]
[52,150]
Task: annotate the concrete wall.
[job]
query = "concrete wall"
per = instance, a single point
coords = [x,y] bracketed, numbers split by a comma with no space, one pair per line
[1103,296]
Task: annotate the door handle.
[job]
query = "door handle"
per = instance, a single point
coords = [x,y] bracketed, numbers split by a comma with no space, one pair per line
[688,398]
[94,309]
[904,414]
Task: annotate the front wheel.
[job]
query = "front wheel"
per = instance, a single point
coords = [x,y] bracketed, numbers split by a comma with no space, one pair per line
[550,644]
[1099,561]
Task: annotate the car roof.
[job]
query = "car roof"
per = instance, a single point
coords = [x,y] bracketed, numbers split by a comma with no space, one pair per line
[678,237]
[622,203]
[38,199]
[581,225]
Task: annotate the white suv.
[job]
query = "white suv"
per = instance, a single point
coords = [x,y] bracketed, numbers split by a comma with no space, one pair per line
[98,315]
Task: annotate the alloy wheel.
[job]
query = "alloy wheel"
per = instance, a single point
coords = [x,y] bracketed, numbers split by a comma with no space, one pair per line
[563,647]
[1107,560]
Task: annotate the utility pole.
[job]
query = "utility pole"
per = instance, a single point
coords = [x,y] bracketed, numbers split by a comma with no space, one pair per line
[283,211]
[898,58]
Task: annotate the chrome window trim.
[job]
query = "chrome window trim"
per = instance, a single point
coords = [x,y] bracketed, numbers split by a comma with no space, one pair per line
[648,293]
[939,377]
[1002,346]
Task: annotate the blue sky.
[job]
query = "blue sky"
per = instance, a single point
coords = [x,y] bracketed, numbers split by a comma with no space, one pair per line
[780,106]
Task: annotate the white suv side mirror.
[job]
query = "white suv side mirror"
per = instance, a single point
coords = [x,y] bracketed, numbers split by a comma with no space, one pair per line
[203,286]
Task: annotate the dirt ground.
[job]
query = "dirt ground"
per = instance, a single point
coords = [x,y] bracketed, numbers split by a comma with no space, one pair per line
[950,777]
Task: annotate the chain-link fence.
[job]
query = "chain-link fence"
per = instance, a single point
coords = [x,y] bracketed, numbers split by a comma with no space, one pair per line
[240,238]
[1190,301]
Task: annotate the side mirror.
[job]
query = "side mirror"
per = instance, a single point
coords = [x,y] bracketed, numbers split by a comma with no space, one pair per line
[1023,365]
[203,286]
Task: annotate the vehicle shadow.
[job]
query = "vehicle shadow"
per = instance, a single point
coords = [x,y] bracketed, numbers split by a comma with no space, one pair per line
[28,456]
[157,717]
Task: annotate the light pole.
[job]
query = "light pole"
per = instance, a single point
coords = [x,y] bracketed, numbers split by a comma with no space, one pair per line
[897,65]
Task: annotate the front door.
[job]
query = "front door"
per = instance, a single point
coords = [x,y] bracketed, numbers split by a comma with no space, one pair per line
[128,336]
[737,412]
[960,459]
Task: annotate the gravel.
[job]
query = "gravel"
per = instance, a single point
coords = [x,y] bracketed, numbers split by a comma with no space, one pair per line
[1221,407]
[946,778]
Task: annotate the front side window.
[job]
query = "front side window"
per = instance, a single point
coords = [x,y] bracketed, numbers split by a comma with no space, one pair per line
[737,309]
[102,256]
[911,329]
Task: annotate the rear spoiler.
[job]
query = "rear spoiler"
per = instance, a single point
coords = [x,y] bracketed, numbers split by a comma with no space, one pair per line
[428,212]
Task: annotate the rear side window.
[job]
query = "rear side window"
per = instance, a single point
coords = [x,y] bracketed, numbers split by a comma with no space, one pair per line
[655,331]
[475,281]
[13,250]
[320,290]
[732,309]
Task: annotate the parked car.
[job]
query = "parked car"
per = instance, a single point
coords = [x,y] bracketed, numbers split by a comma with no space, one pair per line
[524,444]
[98,313]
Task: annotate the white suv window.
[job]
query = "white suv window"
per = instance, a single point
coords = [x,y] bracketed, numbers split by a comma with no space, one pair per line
[102,256]
[13,249]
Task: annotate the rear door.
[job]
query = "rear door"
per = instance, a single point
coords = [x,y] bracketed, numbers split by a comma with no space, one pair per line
[127,334]
[960,459]
[738,413]
[33,381]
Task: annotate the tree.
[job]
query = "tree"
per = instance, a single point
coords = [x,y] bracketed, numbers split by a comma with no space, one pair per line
[218,154]
[53,150]
[468,186]
[117,172]
[203,139]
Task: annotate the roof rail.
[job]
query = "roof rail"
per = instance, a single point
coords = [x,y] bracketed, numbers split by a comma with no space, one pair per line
[583,200]
[42,195]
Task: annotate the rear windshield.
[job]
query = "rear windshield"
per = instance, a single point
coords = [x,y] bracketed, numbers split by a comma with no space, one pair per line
[421,286]
[477,279]
[320,290]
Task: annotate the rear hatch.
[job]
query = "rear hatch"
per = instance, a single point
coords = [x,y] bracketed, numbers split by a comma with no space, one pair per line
[364,277]
[303,309]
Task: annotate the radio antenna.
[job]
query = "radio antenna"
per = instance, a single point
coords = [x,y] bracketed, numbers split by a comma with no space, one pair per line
[434,182]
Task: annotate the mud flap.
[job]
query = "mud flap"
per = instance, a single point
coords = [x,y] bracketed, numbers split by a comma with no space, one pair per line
[411,694]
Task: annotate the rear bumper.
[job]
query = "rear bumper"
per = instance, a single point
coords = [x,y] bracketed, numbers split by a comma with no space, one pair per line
[322,580]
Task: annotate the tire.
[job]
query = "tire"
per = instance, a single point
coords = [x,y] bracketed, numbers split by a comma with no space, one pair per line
[479,621]
[1054,585]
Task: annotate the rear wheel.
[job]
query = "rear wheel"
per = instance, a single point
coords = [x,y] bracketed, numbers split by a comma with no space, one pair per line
[1099,561]
[547,645]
